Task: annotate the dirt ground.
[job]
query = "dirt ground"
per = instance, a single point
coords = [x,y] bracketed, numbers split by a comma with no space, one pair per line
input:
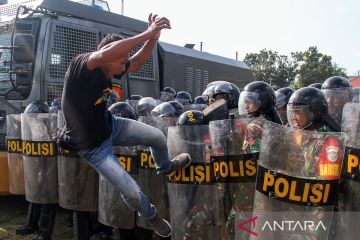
[13,210]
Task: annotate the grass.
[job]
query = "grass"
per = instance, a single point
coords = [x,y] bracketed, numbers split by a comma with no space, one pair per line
[13,212]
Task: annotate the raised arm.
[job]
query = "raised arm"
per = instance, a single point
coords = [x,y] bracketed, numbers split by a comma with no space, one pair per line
[141,56]
[121,48]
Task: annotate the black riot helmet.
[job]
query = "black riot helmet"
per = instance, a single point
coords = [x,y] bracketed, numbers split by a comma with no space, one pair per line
[260,94]
[311,103]
[200,100]
[191,117]
[282,96]
[135,97]
[230,91]
[167,94]
[179,109]
[337,82]
[37,107]
[316,85]
[145,106]
[338,92]
[122,109]
[209,90]
[168,109]
[282,99]
[184,98]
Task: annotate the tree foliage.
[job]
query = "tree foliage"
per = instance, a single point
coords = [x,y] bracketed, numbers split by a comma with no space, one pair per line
[299,70]
[269,66]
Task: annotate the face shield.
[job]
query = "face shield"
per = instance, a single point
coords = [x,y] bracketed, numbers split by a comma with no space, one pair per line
[299,117]
[249,103]
[166,96]
[280,100]
[163,110]
[336,99]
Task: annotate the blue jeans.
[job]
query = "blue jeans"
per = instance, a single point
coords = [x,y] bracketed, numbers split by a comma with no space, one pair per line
[127,132]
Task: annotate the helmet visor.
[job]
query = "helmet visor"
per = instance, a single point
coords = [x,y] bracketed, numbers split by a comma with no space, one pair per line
[280,100]
[248,103]
[299,117]
[336,99]
[163,110]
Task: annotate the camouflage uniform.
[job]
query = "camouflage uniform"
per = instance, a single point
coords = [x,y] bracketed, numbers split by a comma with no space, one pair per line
[242,195]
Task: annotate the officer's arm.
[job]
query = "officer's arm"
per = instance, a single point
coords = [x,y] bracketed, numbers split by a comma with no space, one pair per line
[140,58]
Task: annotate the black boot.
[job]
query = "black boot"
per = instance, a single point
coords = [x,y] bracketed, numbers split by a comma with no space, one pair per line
[32,220]
[81,225]
[47,221]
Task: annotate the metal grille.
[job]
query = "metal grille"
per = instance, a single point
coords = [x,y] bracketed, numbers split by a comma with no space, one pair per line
[205,78]
[67,43]
[54,91]
[189,78]
[2,118]
[147,71]
[4,110]
[5,38]
[2,142]
[10,9]
[201,76]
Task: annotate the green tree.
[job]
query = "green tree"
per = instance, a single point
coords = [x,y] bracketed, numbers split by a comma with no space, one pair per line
[299,70]
[314,67]
[277,70]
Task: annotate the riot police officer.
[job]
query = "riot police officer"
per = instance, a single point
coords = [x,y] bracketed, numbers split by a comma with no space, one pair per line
[193,213]
[337,91]
[307,109]
[167,94]
[200,100]
[145,106]
[223,102]
[184,98]
[258,99]
[41,217]
[282,99]
[168,109]
[122,109]
[209,90]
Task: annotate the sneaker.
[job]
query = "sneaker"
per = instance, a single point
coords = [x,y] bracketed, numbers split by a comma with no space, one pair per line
[179,162]
[160,226]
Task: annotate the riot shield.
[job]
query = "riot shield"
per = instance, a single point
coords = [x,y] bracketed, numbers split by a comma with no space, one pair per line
[191,190]
[38,131]
[234,154]
[148,178]
[15,157]
[113,211]
[296,184]
[78,181]
[349,196]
